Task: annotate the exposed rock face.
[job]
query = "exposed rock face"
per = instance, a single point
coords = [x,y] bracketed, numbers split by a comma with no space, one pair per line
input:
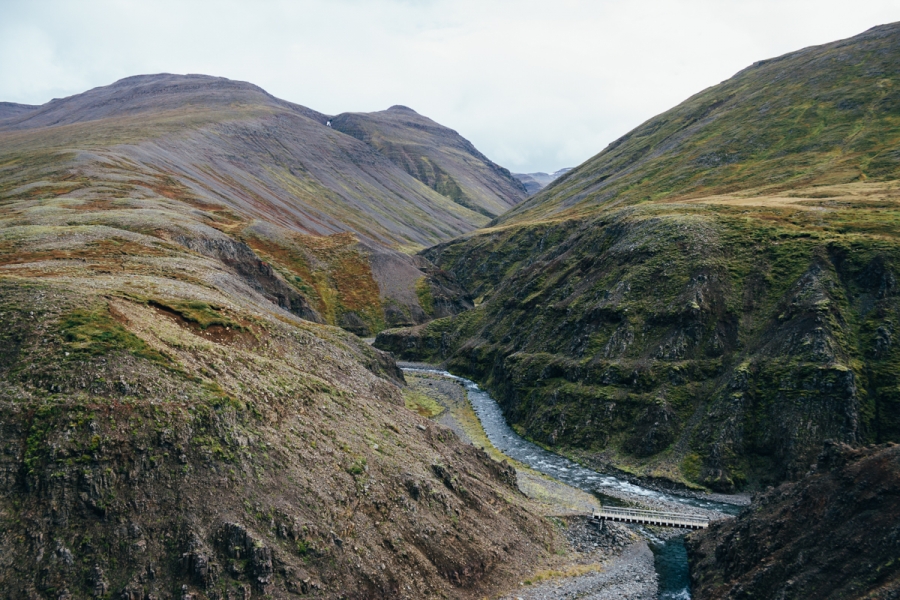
[703,331]
[832,534]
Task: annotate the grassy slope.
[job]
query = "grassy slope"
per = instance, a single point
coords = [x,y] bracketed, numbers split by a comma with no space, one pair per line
[712,296]
[261,170]
[824,115]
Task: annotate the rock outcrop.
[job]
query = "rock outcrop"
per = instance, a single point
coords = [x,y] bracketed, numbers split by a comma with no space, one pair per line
[832,534]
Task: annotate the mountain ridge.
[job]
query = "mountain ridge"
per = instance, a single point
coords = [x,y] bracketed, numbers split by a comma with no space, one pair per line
[655,146]
[270,174]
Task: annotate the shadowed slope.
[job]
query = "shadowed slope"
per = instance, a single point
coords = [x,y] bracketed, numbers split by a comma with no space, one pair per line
[833,534]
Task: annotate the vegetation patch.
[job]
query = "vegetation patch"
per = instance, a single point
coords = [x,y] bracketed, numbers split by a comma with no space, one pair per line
[95,332]
[332,273]
[423,293]
[204,315]
[422,404]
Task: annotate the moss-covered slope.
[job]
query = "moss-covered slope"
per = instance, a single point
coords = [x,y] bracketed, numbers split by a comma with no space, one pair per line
[710,338]
[823,115]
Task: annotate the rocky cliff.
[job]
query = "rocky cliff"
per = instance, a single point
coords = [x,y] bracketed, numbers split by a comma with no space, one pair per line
[832,534]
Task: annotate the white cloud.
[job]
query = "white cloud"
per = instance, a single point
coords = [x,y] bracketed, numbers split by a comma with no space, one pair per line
[536,85]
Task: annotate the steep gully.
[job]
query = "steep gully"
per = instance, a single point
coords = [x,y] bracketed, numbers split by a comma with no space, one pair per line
[671,558]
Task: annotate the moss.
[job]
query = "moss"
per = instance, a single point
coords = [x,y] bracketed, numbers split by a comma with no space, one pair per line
[423,293]
[94,332]
[357,467]
[331,272]
[422,404]
[203,314]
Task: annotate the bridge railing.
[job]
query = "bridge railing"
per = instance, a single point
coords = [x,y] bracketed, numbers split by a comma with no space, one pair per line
[640,515]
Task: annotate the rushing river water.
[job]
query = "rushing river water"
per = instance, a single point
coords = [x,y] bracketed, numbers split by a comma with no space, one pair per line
[671,557]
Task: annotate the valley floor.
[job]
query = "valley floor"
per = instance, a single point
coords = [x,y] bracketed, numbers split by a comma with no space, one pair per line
[613,563]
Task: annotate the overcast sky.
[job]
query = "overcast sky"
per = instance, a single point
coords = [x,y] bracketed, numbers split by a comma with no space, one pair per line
[536,85]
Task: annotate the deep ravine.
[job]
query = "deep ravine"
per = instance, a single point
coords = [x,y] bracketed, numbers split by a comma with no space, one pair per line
[670,556]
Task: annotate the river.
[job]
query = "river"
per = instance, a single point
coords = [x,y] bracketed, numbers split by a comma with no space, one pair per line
[670,555]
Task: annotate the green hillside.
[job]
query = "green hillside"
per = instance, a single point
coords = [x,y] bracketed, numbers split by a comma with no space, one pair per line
[824,115]
[712,296]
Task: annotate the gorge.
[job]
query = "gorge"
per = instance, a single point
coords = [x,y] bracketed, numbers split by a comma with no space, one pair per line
[191,271]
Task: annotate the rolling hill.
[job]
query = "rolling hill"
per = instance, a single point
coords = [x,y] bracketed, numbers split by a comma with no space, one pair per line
[197,158]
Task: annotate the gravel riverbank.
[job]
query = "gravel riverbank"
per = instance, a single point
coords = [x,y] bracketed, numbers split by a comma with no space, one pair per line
[629,575]
[614,561]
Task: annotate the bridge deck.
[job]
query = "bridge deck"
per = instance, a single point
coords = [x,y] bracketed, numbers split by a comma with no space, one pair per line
[649,517]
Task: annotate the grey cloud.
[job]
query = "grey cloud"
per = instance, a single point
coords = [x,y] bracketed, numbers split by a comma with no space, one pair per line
[536,85]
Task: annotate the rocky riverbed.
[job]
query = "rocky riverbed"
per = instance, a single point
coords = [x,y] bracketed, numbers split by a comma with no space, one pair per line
[629,574]
[614,561]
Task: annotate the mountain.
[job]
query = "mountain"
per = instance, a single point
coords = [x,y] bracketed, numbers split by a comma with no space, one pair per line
[534,182]
[176,418]
[833,534]
[437,156]
[11,109]
[234,161]
[824,115]
[715,294]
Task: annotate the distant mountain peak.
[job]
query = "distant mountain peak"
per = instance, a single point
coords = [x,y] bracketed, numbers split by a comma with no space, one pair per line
[12,109]
[401,108]
[535,182]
